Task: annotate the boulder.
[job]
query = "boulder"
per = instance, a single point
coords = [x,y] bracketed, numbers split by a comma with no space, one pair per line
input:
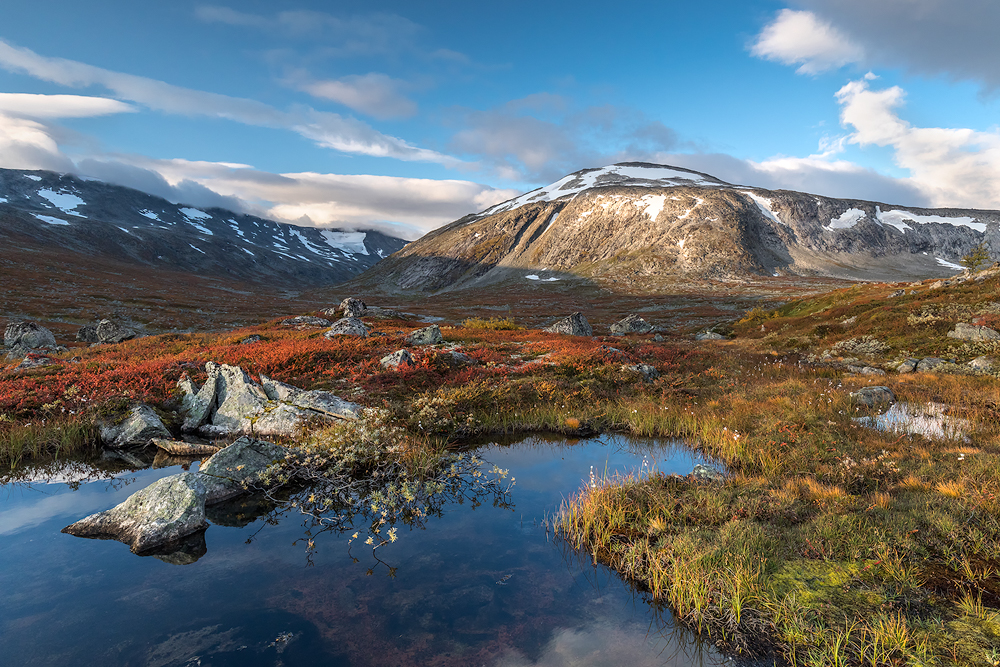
[322,402]
[196,404]
[27,336]
[907,366]
[928,364]
[964,331]
[633,324]
[166,511]
[709,335]
[353,307]
[253,338]
[706,473]
[348,326]
[245,461]
[135,429]
[427,336]
[238,399]
[649,373]
[574,325]
[32,360]
[899,292]
[658,338]
[873,397]
[397,359]
[983,363]
[306,321]
[105,332]
[181,448]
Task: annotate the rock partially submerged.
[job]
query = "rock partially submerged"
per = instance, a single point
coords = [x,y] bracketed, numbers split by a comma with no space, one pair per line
[244,462]
[133,429]
[181,448]
[706,473]
[166,511]
[633,324]
[574,325]
[427,336]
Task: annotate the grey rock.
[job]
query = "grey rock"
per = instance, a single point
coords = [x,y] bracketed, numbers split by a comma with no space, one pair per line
[707,474]
[907,366]
[964,331]
[574,325]
[322,402]
[633,324]
[105,332]
[27,335]
[865,370]
[658,338]
[983,363]
[709,335]
[899,292]
[134,429]
[306,321]
[227,472]
[461,359]
[353,307]
[197,404]
[167,510]
[32,360]
[238,399]
[276,390]
[348,326]
[397,359]
[873,397]
[278,419]
[253,338]
[649,373]
[427,336]
[928,364]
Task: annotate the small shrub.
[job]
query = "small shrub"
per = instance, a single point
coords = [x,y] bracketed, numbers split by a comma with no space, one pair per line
[492,324]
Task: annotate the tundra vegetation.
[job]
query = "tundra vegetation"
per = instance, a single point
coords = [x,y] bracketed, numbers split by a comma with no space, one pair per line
[826,543]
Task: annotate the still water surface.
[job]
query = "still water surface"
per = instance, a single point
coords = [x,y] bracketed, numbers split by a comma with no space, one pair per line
[476,586]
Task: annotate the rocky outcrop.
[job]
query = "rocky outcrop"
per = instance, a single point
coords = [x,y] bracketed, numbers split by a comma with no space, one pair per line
[105,332]
[648,373]
[348,326]
[427,336]
[983,363]
[397,360]
[709,335]
[633,324]
[229,471]
[165,511]
[305,321]
[965,331]
[351,307]
[574,325]
[929,364]
[21,337]
[231,401]
[873,397]
[135,428]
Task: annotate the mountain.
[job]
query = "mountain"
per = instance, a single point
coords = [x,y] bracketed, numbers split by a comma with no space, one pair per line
[43,212]
[633,223]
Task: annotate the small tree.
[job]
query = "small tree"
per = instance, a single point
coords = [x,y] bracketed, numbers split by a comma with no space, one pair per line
[976,258]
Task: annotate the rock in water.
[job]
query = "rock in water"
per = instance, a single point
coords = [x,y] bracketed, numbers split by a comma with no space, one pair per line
[27,335]
[140,425]
[964,331]
[242,462]
[348,326]
[397,359]
[353,307]
[633,324]
[165,511]
[873,397]
[427,336]
[574,325]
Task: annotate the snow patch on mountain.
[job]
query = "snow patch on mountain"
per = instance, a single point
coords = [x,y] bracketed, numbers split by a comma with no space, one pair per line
[847,219]
[654,204]
[63,201]
[150,215]
[198,249]
[348,242]
[764,204]
[950,265]
[33,177]
[896,219]
[50,220]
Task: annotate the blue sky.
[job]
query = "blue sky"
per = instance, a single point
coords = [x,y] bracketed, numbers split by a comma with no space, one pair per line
[408,115]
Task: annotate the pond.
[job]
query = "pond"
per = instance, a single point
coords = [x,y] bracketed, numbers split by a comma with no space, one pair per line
[477,585]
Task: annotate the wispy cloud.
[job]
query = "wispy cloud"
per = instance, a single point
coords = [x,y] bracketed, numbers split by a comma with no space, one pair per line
[60,106]
[326,129]
[803,38]
[372,94]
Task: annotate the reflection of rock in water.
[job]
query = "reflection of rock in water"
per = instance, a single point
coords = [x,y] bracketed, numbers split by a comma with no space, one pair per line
[165,460]
[182,552]
[239,511]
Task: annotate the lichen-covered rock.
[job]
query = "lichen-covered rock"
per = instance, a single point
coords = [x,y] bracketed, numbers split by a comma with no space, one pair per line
[351,307]
[964,331]
[907,366]
[397,359]
[105,332]
[135,429]
[928,364]
[306,321]
[649,373]
[196,404]
[983,363]
[253,338]
[707,474]
[243,462]
[633,324]
[32,360]
[28,336]
[237,397]
[574,325]
[427,336]
[167,510]
[181,448]
[873,397]
[317,400]
[709,335]
[348,326]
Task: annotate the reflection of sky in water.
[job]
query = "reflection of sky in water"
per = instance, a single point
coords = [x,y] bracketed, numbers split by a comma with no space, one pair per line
[65,600]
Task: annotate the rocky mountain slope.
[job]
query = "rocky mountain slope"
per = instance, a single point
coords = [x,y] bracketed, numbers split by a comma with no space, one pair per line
[639,222]
[43,211]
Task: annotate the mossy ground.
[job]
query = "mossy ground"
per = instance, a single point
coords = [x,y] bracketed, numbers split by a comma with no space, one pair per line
[828,543]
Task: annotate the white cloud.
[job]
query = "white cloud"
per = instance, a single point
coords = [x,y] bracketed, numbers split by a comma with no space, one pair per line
[372,94]
[29,144]
[59,106]
[329,130]
[953,166]
[803,38]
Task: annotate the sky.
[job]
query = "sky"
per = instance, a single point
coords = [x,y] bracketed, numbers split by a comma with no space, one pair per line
[404,116]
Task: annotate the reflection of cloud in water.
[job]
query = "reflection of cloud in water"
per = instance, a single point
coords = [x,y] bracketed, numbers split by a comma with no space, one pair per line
[14,519]
[605,643]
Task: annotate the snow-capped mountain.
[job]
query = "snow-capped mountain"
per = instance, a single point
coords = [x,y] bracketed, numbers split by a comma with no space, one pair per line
[46,209]
[639,222]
